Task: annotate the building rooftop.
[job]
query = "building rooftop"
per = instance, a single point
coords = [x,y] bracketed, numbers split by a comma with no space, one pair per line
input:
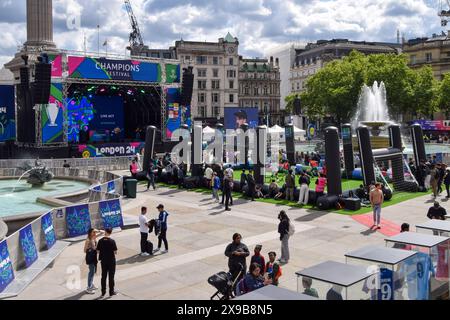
[6,76]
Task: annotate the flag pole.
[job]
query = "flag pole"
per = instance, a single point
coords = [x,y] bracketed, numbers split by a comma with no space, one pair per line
[98,39]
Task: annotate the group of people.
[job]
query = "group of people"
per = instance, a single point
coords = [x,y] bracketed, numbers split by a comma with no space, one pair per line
[433,175]
[260,272]
[105,249]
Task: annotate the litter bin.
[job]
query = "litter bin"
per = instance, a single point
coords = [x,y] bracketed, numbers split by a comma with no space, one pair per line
[131,188]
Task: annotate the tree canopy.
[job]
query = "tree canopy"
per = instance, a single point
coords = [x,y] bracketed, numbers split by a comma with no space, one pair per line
[334,90]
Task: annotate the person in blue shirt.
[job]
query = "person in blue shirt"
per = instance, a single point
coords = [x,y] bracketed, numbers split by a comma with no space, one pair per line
[162,219]
[215,187]
[252,281]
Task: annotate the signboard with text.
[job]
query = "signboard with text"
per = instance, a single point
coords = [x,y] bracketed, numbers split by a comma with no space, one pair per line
[433,125]
[111,150]
[111,214]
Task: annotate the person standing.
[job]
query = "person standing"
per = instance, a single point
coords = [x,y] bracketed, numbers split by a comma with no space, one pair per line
[90,249]
[434,178]
[143,228]
[283,230]
[447,182]
[441,175]
[321,184]
[251,186]
[227,188]
[259,259]
[237,253]
[163,215]
[134,168]
[215,187]
[243,180]
[376,199]
[208,175]
[227,175]
[151,176]
[290,186]
[107,249]
[304,189]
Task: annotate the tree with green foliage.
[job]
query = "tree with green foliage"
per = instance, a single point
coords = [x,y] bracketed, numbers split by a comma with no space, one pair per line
[443,99]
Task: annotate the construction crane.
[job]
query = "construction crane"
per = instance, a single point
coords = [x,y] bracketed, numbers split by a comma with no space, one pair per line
[136,40]
[444,12]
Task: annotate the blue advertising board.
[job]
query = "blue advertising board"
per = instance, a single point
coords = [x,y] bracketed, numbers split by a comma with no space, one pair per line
[111,214]
[78,220]
[26,240]
[6,268]
[235,117]
[7,113]
[48,229]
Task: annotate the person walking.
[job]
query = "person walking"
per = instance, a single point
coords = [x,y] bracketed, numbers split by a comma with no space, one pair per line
[90,249]
[304,189]
[237,253]
[107,250]
[215,187]
[434,178]
[447,182]
[143,228]
[162,220]
[151,176]
[290,186]
[376,199]
[283,230]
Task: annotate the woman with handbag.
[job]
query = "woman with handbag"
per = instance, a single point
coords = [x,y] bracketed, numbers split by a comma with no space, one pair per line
[90,249]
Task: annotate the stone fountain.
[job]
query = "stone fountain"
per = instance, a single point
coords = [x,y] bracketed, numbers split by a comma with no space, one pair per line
[37,174]
[373,112]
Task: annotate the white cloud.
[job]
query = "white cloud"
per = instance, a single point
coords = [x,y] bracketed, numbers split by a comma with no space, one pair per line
[260,25]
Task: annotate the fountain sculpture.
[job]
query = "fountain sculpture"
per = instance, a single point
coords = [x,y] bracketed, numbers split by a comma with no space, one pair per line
[38,174]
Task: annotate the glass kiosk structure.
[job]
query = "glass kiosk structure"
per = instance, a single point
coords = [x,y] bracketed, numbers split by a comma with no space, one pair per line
[273,293]
[435,227]
[393,267]
[337,281]
[432,263]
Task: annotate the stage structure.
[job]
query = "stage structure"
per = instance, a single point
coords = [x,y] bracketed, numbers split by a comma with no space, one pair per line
[148,88]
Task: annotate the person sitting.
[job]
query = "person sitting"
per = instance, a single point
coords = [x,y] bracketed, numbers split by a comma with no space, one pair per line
[273,189]
[437,212]
[361,193]
[252,281]
[281,194]
[258,192]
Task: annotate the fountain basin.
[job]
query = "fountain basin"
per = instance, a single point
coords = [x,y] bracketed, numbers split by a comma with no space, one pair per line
[24,201]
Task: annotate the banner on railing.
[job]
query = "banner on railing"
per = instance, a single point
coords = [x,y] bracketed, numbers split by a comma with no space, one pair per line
[111,187]
[111,149]
[28,246]
[6,268]
[48,229]
[78,220]
[111,214]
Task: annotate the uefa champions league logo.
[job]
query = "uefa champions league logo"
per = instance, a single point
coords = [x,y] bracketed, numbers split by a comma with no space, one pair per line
[52,113]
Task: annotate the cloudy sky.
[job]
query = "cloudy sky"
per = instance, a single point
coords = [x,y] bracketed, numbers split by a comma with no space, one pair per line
[260,25]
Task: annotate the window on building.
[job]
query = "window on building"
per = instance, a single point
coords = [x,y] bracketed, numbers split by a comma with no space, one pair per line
[202,111]
[202,60]
[298,85]
[413,59]
[231,98]
[187,59]
[255,91]
[231,61]
[201,73]
[215,97]
[231,73]
[429,57]
[202,84]
[266,90]
[246,90]
[202,97]
[155,54]
[215,84]
[215,73]
[166,55]
[231,84]
[215,60]
[266,108]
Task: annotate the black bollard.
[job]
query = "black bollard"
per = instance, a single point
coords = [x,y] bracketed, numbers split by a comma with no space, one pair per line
[333,161]
[366,155]
[149,146]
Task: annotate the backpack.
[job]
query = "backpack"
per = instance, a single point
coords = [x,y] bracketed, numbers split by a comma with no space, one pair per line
[291,230]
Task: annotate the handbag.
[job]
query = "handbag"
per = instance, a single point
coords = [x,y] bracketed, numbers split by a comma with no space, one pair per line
[91,257]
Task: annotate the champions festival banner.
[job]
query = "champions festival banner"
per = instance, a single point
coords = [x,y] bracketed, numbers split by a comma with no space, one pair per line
[436,125]
[48,229]
[52,116]
[106,69]
[78,220]
[111,214]
[26,240]
[56,61]
[111,150]
[6,268]
[177,114]
[7,114]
